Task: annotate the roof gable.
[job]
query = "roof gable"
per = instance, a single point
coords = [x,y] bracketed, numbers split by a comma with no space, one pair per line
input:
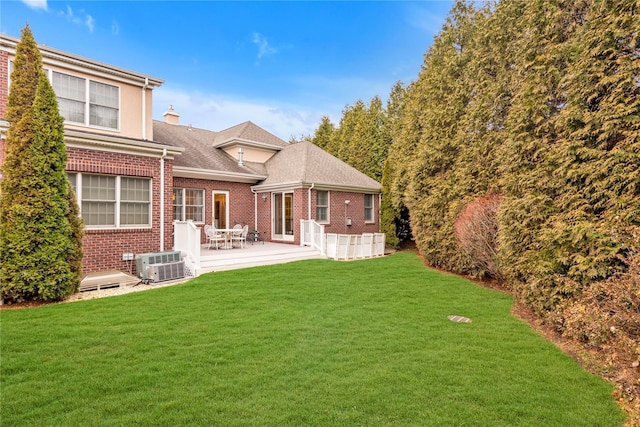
[248,132]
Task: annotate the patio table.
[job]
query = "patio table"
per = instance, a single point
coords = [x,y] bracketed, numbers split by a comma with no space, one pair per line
[228,234]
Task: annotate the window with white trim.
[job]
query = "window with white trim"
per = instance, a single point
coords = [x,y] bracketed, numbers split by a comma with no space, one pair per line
[368,207]
[322,206]
[188,204]
[112,201]
[86,102]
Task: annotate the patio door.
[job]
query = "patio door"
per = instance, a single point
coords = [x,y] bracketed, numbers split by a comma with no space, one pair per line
[282,216]
[220,209]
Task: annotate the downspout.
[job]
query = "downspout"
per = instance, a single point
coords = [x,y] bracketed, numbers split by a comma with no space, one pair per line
[144,108]
[255,209]
[309,200]
[164,154]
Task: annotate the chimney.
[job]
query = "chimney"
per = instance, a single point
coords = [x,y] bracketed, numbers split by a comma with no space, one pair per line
[171,117]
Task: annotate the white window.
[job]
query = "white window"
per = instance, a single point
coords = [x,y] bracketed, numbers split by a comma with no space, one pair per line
[322,206]
[188,204]
[110,201]
[135,198]
[87,102]
[71,93]
[98,200]
[103,105]
[368,207]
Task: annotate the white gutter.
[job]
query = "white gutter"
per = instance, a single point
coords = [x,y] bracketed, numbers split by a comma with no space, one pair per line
[284,186]
[144,107]
[164,154]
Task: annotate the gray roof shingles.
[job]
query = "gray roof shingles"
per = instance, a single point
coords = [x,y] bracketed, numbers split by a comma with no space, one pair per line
[302,162]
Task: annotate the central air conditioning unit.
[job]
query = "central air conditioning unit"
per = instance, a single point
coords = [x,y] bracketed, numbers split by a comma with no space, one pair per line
[143,261]
[164,272]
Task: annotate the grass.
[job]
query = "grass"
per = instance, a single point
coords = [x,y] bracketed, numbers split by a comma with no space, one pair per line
[314,343]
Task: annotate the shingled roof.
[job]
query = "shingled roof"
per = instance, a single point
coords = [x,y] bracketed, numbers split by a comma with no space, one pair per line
[200,152]
[293,165]
[305,163]
[248,131]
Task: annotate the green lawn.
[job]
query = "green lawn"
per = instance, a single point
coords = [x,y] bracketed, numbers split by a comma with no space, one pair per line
[317,342]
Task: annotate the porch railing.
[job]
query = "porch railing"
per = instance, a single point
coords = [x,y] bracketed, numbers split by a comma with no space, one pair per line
[312,234]
[341,246]
[355,246]
[186,239]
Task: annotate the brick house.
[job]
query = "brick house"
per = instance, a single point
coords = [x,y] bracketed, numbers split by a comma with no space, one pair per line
[134,176]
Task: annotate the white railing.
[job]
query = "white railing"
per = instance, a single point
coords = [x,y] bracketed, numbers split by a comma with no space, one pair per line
[312,234]
[355,246]
[186,239]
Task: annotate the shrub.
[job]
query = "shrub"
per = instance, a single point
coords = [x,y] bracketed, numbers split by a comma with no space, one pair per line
[476,229]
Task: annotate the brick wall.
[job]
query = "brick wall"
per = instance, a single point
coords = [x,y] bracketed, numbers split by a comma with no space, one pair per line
[337,223]
[339,211]
[103,248]
[241,199]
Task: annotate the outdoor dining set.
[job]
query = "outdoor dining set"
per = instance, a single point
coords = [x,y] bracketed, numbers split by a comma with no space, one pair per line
[226,238]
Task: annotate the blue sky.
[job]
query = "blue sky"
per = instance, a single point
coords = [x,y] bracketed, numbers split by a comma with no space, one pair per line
[282,65]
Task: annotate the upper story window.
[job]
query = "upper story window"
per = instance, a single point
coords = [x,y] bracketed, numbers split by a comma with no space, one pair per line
[322,206]
[188,204]
[87,102]
[110,201]
[71,92]
[368,207]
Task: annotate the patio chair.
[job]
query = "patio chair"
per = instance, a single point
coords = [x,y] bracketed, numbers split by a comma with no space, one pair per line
[213,236]
[241,236]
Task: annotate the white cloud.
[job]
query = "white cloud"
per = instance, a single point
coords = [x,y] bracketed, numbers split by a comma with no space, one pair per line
[36,4]
[90,22]
[218,112]
[83,18]
[264,48]
[115,28]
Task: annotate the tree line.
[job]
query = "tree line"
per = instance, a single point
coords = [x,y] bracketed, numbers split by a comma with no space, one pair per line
[515,154]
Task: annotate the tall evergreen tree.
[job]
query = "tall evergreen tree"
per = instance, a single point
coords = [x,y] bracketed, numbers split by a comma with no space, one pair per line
[324,133]
[39,229]
[599,154]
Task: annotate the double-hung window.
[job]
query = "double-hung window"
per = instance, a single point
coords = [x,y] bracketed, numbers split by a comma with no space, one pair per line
[322,206]
[87,102]
[135,197]
[103,105]
[368,207]
[188,204]
[71,93]
[111,201]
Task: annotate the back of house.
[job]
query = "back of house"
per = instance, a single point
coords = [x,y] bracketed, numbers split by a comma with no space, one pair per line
[134,176]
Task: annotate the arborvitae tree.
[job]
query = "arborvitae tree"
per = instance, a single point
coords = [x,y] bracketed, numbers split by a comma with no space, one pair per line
[528,165]
[346,138]
[324,133]
[436,104]
[39,231]
[392,220]
[599,154]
